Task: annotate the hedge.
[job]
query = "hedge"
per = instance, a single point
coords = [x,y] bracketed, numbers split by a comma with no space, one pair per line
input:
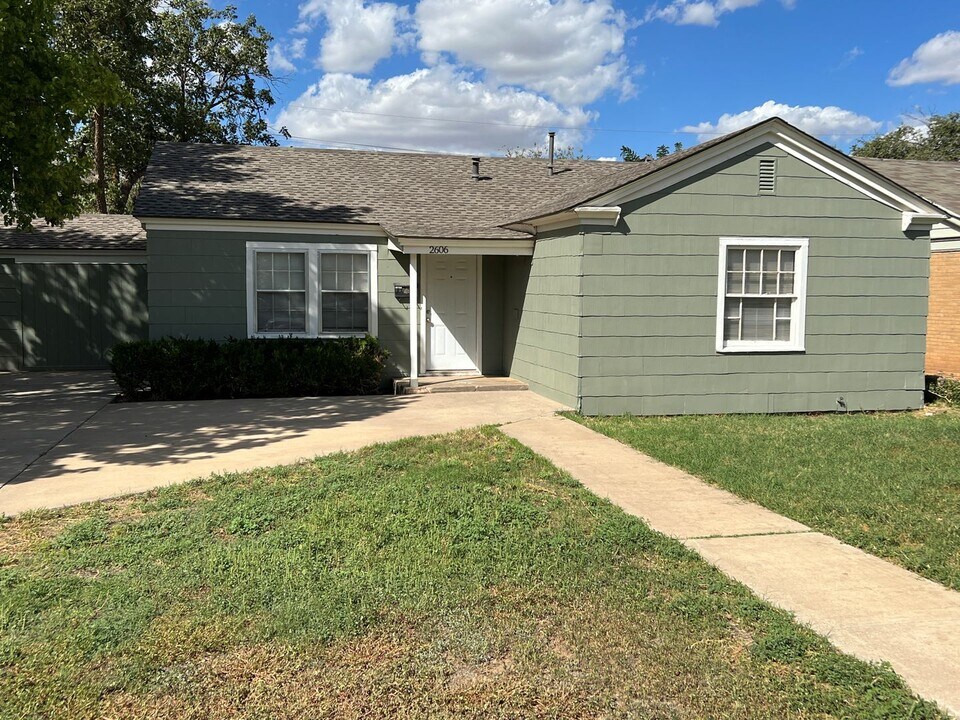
[946,388]
[187,369]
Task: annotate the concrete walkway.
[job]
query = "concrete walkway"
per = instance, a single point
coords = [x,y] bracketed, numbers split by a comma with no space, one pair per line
[132,447]
[866,606]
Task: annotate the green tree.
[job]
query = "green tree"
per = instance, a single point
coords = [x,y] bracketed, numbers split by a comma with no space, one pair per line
[939,141]
[113,34]
[627,154]
[542,151]
[41,100]
[187,73]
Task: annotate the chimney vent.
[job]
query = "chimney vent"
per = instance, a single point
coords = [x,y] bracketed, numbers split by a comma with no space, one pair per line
[476,168]
[552,135]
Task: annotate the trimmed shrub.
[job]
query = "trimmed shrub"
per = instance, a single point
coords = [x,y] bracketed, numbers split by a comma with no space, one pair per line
[187,369]
[946,388]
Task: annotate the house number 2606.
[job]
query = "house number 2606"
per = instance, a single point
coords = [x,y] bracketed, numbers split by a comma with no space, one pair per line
[439,249]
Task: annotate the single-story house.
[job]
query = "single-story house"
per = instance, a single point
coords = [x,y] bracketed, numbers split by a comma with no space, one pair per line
[763,271]
[68,294]
[938,182]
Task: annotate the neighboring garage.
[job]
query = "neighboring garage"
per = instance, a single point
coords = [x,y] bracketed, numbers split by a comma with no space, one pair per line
[69,294]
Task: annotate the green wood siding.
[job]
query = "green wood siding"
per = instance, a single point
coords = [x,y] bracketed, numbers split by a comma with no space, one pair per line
[542,312]
[493,297]
[198,285]
[73,313]
[650,297]
[11,351]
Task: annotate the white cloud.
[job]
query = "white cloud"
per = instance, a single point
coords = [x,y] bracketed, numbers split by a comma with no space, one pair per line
[849,56]
[701,12]
[572,50]
[825,122]
[349,109]
[937,60]
[280,57]
[605,158]
[359,34]
[279,63]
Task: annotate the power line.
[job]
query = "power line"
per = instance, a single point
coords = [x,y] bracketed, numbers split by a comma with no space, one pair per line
[532,126]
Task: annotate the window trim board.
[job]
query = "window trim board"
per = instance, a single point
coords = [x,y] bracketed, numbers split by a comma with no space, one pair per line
[797,341]
[313,251]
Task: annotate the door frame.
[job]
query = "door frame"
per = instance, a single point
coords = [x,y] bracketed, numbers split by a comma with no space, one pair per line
[424,287]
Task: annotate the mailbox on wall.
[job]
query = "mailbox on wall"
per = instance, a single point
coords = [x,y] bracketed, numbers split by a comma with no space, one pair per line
[402,293]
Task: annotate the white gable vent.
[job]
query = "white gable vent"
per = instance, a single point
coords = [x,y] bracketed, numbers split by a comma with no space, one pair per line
[768,176]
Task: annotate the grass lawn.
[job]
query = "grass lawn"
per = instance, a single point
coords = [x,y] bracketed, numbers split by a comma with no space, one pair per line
[453,576]
[888,483]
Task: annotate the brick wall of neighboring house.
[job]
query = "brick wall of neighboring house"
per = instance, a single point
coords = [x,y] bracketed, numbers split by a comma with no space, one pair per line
[943,323]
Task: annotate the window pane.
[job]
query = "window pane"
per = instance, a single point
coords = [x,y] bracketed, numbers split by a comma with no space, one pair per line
[752,284]
[731,329]
[731,322]
[735,259]
[769,283]
[771,260]
[753,260]
[281,312]
[787,259]
[757,319]
[783,309]
[786,283]
[783,330]
[344,312]
[328,262]
[735,282]
[281,271]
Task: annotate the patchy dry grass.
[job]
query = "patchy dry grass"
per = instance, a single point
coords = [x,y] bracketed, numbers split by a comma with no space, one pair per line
[888,483]
[459,576]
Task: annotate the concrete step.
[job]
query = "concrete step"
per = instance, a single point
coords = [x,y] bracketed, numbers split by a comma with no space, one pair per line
[457,383]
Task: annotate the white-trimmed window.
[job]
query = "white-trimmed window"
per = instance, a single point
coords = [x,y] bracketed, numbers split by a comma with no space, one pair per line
[761,302]
[311,289]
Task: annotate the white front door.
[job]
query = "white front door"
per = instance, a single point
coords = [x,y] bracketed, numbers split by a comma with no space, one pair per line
[451,312]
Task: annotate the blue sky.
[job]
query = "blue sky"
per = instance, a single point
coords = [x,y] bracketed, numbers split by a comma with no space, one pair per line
[483,75]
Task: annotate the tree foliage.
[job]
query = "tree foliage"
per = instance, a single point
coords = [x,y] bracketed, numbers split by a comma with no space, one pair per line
[41,99]
[938,140]
[542,151]
[185,72]
[627,154]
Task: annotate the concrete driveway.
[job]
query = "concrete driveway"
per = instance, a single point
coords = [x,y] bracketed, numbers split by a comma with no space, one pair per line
[68,445]
[38,410]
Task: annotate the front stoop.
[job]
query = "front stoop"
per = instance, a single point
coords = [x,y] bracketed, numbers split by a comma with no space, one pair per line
[455,384]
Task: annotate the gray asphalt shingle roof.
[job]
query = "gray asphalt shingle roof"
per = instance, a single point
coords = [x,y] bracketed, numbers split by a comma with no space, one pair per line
[409,195]
[936,181]
[86,232]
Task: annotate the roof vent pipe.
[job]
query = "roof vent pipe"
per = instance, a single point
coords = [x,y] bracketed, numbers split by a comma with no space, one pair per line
[476,168]
[552,135]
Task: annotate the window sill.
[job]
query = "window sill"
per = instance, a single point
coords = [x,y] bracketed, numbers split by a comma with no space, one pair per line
[761,347]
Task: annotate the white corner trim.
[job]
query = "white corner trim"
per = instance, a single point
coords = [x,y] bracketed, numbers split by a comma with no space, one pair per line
[797,340]
[598,215]
[271,226]
[919,220]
